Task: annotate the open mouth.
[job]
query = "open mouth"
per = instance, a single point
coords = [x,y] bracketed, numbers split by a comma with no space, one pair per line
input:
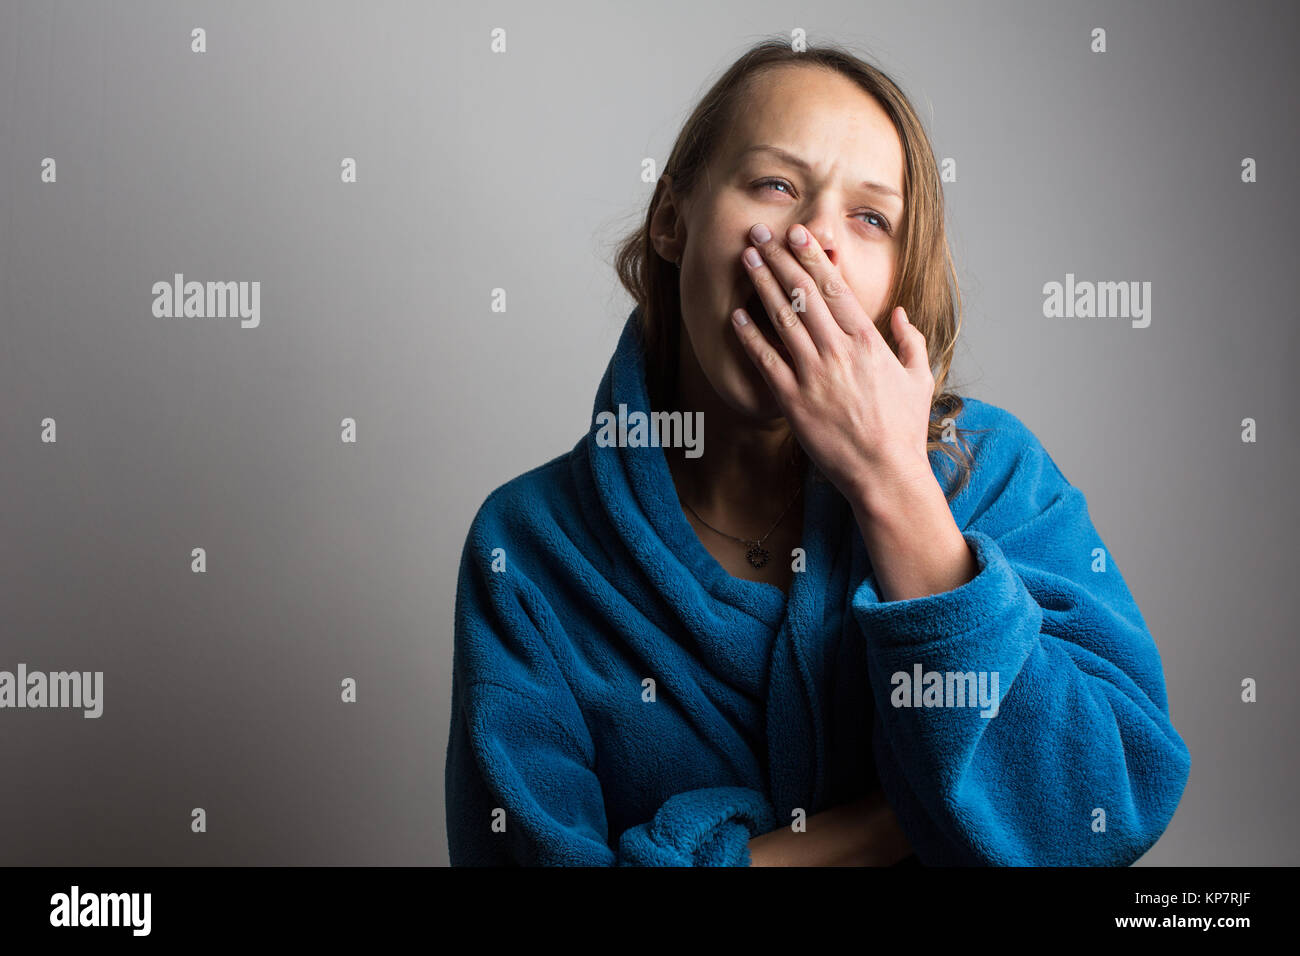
[754,306]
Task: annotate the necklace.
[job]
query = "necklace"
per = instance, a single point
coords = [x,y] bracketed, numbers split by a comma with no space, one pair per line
[755,553]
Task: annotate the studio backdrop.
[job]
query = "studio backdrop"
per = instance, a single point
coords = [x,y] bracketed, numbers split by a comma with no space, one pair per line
[241,524]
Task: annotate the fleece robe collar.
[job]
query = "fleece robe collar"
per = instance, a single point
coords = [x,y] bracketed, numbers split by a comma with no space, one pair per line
[749,631]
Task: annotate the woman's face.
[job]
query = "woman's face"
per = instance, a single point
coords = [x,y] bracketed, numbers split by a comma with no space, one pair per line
[846,139]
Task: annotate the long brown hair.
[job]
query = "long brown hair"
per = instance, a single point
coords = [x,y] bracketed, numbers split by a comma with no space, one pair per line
[925,282]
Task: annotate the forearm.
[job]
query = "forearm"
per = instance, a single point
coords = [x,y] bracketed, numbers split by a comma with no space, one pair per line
[863,833]
[915,545]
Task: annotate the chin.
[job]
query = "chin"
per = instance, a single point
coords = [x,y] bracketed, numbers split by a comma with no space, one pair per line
[746,392]
[732,375]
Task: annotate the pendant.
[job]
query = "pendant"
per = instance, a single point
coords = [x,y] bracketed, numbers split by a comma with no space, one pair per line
[757,555]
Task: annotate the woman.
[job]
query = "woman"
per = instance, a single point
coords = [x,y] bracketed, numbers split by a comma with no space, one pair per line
[867,618]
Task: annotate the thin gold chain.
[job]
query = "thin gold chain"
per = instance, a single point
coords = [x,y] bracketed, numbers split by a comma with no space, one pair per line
[748,541]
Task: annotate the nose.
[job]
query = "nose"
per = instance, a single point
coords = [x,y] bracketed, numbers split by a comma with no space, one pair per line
[820,225]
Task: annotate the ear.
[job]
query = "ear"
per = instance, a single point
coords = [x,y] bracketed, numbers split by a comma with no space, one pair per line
[667,233]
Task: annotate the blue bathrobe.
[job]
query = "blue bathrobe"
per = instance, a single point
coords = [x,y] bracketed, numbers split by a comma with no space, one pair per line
[620,699]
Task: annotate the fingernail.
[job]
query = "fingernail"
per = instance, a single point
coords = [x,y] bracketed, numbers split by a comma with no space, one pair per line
[798,235]
[739,317]
[752,257]
[760,233]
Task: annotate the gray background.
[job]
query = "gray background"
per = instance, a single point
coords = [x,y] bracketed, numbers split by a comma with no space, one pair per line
[520,171]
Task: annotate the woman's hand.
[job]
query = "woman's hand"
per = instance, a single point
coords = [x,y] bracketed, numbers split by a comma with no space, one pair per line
[861,413]
[863,833]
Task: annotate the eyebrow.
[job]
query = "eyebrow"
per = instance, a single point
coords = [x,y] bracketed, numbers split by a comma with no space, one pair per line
[794,160]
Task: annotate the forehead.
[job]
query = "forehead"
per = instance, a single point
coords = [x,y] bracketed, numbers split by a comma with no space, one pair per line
[821,115]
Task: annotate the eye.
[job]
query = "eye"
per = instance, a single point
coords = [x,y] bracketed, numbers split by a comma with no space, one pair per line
[884,222]
[771,183]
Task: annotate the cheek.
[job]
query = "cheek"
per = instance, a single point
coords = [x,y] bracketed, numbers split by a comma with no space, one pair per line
[706,320]
[704,333]
[870,282]
[710,286]
[708,290]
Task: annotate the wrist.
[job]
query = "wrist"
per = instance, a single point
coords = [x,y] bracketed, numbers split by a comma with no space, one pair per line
[892,488]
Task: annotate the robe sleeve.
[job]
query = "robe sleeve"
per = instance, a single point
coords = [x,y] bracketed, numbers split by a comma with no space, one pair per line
[521,789]
[1079,764]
